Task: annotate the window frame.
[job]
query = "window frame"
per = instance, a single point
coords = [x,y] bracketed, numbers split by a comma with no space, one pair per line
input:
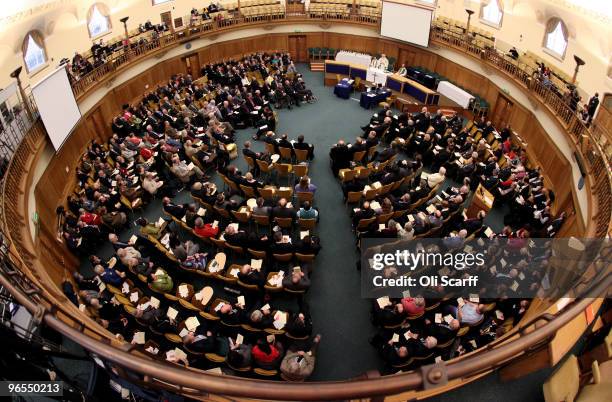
[552,52]
[45,62]
[108,20]
[484,21]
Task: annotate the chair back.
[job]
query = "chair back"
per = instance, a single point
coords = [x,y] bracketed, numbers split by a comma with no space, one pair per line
[270,148]
[300,170]
[365,223]
[242,217]
[284,223]
[222,212]
[285,153]
[263,220]
[353,197]
[307,223]
[283,257]
[284,193]
[267,193]
[248,191]
[257,254]
[305,257]
[263,166]
[301,155]
[305,196]
[358,156]
[236,249]
[283,169]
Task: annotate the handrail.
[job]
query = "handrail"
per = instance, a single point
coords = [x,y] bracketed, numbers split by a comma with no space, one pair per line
[205,383]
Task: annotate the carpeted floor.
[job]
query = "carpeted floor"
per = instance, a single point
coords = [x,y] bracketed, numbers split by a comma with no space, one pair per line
[339,312]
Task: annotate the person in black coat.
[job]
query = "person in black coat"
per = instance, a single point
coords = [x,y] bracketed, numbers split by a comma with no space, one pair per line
[340,156]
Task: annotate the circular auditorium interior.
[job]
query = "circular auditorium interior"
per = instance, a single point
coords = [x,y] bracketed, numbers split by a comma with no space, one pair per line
[306,200]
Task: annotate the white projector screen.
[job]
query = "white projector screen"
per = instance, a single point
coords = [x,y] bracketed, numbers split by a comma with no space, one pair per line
[57,107]
[406,22]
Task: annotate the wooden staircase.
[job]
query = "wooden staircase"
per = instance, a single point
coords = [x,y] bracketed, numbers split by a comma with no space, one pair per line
[317,65]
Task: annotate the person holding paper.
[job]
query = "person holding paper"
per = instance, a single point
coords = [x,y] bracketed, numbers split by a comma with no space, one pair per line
[299,365]
[297,281]
[389,315]
[267,353]
[299,325]
[205,230]
[383,62]
[250,276]
[109,276]
[279,245]
[151,184]
[200,342]
[161,281]
[239,355]
[183,171]
[261,319]
[282,210]
[178,211]
[147,228]
[443,331]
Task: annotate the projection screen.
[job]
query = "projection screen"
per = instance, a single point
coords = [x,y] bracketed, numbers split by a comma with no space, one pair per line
[57,106]
[406,22]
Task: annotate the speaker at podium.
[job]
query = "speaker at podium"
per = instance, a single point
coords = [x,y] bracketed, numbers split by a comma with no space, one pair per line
[482,201]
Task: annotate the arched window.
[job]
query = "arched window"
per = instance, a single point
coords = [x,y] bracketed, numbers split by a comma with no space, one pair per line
[492,12]
[555,38]
[98,20]
[34,53]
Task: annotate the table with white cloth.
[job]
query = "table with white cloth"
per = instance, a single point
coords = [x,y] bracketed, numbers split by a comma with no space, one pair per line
[377,76]
[360,59]
[455,93]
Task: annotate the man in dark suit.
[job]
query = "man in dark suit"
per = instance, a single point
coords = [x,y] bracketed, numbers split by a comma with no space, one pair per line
[280,246]
[340,156]
[178,211]
[304,146]
[282,211]
[364,212]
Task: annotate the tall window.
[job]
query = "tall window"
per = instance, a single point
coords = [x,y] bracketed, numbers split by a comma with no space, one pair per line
[33,49]
[492,12]
[156,2]
[98,20]
[555,38]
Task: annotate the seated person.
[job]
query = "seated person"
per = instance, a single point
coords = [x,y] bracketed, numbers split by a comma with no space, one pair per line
[297,281]
[307,212]
[161,282]
[200,342]
[305,186]
[267,353]
[250,276]
[239,356]
[280,244]
[299,365]
[302,145]
[202,229]
[282,210]
[308,245]
[413,306]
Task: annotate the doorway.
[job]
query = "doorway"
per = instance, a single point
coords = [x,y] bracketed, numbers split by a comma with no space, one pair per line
[297,48]
[192,65]
[502,112]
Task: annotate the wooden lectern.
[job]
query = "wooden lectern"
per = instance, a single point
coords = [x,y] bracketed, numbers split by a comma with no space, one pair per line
[482,201]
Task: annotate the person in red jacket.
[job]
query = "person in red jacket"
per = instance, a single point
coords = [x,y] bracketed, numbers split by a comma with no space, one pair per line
[413,306]
[205,229]
[267,353]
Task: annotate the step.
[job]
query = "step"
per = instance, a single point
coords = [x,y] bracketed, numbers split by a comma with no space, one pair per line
[317,66]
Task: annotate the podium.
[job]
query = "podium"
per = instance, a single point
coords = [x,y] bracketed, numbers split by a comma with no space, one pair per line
[482,201]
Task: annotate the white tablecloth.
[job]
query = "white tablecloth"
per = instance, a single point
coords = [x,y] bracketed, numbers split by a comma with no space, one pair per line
[359,59]
[377,76]
[455,93]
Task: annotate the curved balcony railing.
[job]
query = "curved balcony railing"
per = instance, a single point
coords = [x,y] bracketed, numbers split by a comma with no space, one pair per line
[18,273]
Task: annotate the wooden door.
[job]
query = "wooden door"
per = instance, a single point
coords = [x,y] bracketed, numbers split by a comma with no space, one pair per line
[101,128]
[502,112]
[166,18]
[297,48]
[192,65]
